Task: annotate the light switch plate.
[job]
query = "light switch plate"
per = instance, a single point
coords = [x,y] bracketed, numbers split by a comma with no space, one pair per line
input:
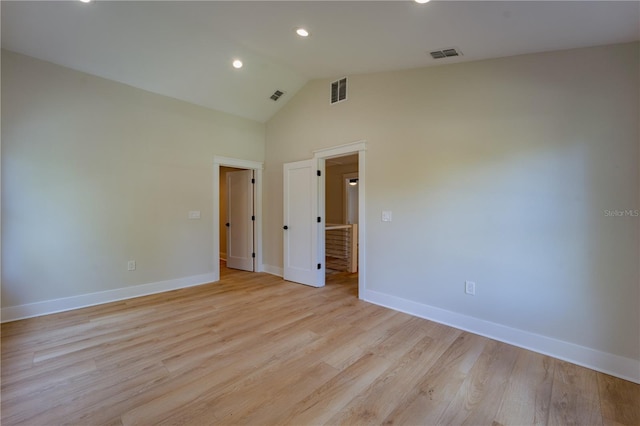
[194,214]
[470,287]
[386,216]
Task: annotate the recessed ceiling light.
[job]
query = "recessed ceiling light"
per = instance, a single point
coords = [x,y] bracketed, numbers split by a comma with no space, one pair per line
[422,1]
[85,1]
[237,63]
[302,32]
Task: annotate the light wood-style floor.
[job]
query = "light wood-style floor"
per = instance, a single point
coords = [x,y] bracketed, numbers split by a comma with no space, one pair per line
[253,349]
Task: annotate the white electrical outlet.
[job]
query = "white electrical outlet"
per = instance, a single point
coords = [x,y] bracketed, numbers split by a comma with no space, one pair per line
[387,216]
[470,287]
[194,214]
[131,265]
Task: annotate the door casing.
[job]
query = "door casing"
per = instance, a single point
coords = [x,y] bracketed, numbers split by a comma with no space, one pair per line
[257,167]
[359,148]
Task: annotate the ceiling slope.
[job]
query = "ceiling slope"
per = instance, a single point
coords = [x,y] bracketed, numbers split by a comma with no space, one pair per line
[185,49]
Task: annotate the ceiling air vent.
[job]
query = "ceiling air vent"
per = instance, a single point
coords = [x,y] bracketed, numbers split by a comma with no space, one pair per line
[276,95]
[339,90]
[445,53]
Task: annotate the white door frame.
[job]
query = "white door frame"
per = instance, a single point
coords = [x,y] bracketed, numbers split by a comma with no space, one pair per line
[257,202]
[359,148]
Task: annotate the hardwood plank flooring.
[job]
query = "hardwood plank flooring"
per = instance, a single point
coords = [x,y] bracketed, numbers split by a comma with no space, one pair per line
[254,349]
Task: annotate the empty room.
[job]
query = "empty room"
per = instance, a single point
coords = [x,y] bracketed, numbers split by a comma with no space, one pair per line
[320,212]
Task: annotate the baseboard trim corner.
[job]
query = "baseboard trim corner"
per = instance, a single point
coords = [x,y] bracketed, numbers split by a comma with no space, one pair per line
[273,270]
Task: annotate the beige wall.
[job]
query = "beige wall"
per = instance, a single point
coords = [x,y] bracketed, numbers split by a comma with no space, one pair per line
[95,173]
[496,171]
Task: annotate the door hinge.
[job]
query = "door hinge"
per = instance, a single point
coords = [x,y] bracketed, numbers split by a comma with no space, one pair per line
[319,173]
[253,218]
[319,266]
[253,255]
[253,180]
[319,219]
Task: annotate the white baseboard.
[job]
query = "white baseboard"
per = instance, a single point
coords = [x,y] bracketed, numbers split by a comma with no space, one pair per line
[13,313]
[615,365]
[273,270]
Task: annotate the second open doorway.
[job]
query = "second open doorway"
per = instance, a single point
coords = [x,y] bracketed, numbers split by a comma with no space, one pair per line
[237,218]
[220,217]
[341,212]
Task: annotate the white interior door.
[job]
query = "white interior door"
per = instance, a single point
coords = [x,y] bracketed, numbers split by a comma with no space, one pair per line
[302,254]
[240,220]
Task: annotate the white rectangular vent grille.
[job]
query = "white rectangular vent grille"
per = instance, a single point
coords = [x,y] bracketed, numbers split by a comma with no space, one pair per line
[339,90]
[445,53]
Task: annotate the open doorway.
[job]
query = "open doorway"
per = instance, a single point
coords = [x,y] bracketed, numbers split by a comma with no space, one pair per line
[341,210]
[353,154]
[253,238]
[305,219]
[237,217]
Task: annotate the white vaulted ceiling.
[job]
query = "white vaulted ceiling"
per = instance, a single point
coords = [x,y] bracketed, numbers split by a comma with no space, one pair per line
[185,49]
